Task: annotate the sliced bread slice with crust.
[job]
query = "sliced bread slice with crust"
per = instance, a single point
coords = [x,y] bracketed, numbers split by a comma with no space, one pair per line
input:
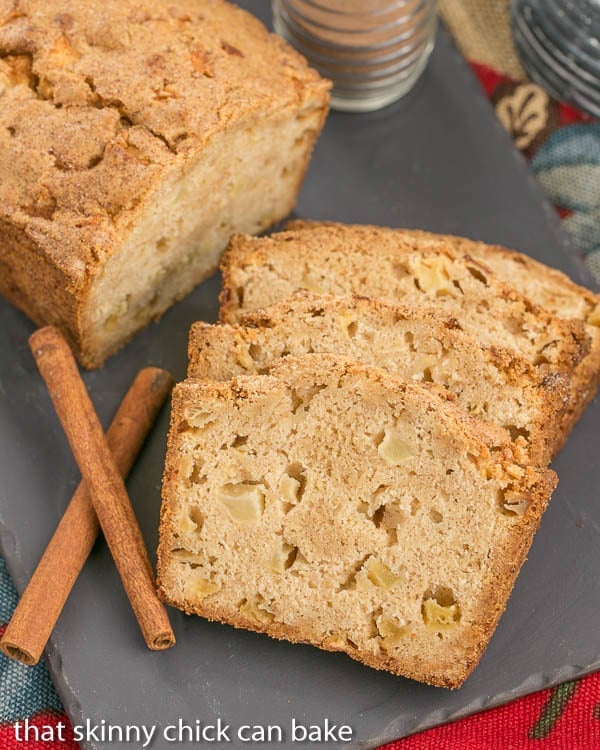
[412,343]
[543,285]
[338,259]
[334,504]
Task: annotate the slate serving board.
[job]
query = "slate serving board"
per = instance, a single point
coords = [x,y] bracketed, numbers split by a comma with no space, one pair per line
[438,160]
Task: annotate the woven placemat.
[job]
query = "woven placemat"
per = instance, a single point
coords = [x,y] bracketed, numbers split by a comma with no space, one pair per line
[481,29]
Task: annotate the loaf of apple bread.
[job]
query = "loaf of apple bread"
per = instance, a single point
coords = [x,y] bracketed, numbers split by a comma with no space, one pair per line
[414,343]
[135,138]
[332,503]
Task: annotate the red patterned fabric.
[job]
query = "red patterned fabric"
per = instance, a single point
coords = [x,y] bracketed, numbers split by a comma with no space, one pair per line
[43,732]
[491,79]
[564,718]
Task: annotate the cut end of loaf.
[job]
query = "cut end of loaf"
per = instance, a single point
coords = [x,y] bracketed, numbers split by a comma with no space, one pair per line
[178,239]
[333,504]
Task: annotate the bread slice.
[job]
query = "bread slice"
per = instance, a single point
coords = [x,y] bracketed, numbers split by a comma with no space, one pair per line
[412,343]
[332,503]
[133,143]
[543,285]
[350,259]
[377,262]
[548,288]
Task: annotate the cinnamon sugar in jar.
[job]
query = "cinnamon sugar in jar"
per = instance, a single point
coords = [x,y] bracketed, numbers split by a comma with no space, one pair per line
[373,50]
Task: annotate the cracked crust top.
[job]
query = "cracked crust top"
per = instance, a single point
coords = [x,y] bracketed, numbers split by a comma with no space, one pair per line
[96,101]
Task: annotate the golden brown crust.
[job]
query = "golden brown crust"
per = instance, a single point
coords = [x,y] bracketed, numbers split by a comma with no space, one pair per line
[491,449]
[95,114]
[123,101]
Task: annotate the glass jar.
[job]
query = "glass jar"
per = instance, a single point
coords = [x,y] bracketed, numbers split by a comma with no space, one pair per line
[558,42]
[373,50]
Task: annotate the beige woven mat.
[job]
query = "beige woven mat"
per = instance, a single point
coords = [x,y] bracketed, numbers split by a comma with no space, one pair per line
[481,29]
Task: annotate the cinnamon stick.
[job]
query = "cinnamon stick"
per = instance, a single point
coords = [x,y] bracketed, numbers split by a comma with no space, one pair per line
[35,616]
[104,482]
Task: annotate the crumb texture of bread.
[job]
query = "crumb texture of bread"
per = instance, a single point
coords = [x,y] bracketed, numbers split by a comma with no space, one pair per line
[542,284]
[424,515]
[411,342]
[133,143]
[546,287]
